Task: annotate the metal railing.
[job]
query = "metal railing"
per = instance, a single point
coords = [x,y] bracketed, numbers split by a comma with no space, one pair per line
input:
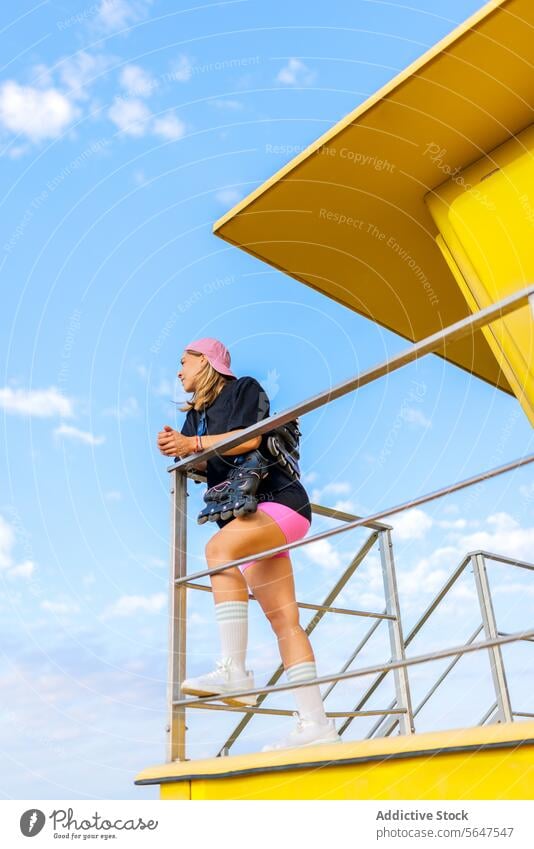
[401,714]
[489,626]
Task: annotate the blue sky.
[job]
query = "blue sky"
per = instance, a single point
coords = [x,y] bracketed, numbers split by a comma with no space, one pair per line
[127,127]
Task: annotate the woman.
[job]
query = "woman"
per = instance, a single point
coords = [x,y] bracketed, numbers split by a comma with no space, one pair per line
[223,404]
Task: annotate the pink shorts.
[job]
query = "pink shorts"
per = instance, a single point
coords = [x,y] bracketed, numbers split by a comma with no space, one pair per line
[292,524]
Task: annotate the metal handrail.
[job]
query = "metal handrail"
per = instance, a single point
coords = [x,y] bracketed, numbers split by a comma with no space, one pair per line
[307,605]
[368,670]
[421,621]
[357,523]
[283,712]
[419,349]
[390,711]
[343,516]
[414,631]
[427,695]
[500,558]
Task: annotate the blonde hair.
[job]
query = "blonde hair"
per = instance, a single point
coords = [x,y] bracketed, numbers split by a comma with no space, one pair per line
[209,384]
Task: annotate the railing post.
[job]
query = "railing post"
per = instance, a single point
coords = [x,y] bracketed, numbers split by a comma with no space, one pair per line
[402,684]
[177,617]
[490,630]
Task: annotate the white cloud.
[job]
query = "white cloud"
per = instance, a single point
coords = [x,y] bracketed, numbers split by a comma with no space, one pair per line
[15,151]
[424,577]
[415,416]
[128,605]
[137,82]
[60,607]
[182,69]
[228,196]
[128,409]
[23,570]
[296,73]
[323,553]
[457,524]
[232,105]
[113,495]
[320,494]
[7,542]
[114,15]
[142,371]
[513,587]
[81,435]
[197,619]
[79,71]
[132,117]
[7,559]
[169,127]
[140,178]
[345,505]
[35,402]
[504,535]
[502,522]
[362,600]
[412,524]
[42,76]
[527,491]
[337,488]
[35,113]
[165,388]
[156,562]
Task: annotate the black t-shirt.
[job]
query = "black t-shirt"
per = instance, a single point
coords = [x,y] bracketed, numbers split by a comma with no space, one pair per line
[243,402]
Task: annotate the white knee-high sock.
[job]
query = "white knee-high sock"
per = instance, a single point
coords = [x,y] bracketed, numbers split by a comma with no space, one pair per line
[309,700]
[232,618]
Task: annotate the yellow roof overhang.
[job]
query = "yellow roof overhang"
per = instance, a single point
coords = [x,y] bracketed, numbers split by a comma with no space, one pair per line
[463,98]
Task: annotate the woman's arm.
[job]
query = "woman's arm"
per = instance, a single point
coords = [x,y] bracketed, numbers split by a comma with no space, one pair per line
[249,445]
[172,443]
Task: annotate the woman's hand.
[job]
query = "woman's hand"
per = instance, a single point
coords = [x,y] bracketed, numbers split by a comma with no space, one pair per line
[174,444]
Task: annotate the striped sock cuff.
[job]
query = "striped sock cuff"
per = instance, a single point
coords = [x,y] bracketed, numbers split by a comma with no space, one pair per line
[301,672]
[231,611]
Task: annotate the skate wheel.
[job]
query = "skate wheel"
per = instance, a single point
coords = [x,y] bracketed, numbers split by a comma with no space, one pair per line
[201,520]
[227,515]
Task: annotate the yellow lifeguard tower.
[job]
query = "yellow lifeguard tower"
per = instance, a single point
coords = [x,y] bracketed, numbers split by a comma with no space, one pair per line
[417,211]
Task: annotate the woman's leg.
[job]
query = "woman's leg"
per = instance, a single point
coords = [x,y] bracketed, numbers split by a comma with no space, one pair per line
[272,578]
[271,581]
[273,585]
[243,536]
[239,538]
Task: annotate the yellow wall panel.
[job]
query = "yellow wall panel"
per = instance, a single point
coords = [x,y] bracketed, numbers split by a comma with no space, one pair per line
[486,221]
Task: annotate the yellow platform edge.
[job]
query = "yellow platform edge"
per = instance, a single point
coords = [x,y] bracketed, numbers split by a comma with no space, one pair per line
[496,761]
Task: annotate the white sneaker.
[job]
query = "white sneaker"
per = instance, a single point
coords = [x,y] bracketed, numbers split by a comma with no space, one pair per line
[225,679]
[307,733]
